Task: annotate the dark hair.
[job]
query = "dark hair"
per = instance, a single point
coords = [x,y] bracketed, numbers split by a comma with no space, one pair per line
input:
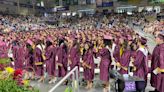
[48,43]
[132,46]
[38,42]
[61,41]
[15,43]
[125,44]
[29,47]
[143,41]
[65,48]
[90,46]
[107,42]
[160,36]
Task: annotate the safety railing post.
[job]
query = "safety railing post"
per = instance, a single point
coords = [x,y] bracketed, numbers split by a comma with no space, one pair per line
[73,81]
[77,79]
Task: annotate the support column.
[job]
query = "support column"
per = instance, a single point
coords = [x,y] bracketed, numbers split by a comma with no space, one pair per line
[33,5]
[18,6]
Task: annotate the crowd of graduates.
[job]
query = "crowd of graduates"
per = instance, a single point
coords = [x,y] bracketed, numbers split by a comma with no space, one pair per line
[55,49]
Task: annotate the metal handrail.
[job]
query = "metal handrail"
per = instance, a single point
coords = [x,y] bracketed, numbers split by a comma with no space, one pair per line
[74,73]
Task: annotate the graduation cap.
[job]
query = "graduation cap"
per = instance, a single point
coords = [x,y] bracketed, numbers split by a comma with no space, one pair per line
[143,40]
[107,39]
[61,40]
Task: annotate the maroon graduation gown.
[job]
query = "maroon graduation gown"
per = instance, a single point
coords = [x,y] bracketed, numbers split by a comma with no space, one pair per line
[124,61]
[39,70]
[50,60]
[157,81]
[88,59]
[62,59]
[105,64]
[141,66]
[133,54]
[19,58]
[29,60]
[154,65]
[116,53]
[74,57]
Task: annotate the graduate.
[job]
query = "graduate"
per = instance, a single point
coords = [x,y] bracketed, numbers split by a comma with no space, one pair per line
[118,51]
[74,55]
[88,65]
[29,61]
[95,48]
[18,55]
[62,58]
[125,58]
[134,48]
[140,62]
[157,66]
[105,63]
[50,54]
[39,60]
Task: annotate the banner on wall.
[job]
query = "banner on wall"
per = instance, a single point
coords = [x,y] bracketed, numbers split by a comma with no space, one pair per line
[106,4]
[131,1]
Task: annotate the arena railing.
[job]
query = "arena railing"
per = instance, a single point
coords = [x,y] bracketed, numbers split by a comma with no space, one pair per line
[75,80]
